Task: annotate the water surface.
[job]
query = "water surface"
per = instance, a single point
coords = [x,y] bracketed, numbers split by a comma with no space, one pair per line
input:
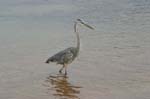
[113,61]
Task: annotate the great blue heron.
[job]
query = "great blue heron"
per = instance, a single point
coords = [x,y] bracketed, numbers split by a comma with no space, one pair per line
[66,56]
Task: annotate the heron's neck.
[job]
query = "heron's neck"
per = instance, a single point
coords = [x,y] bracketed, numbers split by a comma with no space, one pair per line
[77,35]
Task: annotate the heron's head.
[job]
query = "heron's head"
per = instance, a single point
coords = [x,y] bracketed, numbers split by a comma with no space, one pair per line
[80,21]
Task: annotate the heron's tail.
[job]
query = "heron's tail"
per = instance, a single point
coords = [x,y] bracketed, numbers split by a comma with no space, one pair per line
[51,59]
[47,61]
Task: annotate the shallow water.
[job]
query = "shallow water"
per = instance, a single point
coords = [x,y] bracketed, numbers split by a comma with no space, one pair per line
[113,61]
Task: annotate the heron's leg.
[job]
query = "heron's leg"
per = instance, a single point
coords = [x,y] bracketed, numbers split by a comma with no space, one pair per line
[65,69]
[60,71]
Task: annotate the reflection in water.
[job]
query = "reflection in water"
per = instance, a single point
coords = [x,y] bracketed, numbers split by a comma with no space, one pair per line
[62,88]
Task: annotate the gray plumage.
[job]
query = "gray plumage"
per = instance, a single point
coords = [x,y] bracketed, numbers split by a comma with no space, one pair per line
[66,56]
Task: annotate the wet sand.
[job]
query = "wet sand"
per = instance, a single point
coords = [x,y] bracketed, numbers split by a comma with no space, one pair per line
[113,61]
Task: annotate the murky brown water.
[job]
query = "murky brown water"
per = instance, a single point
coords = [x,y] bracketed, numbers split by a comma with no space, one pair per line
[113,61]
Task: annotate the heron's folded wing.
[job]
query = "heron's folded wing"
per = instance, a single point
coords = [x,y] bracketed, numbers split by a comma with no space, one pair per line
[67,56]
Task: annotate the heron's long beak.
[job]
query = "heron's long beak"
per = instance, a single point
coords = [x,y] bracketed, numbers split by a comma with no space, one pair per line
[90,27]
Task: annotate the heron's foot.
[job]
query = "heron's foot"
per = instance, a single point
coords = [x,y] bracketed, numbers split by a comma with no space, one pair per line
[65,73]
[65,76]
[60,71]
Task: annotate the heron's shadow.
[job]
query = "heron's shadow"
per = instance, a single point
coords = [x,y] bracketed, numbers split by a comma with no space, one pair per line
[59,86]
